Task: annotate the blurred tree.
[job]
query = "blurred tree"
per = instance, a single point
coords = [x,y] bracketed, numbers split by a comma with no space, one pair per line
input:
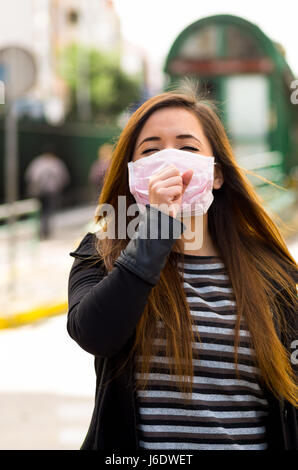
[110,89]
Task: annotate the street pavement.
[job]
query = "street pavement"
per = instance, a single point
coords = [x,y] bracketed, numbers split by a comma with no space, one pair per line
[47,387]
[47,381]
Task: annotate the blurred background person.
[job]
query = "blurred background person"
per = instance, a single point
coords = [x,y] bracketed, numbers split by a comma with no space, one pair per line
[46,177]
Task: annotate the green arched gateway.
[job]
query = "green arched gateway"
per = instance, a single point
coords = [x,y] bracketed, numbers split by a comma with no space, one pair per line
[247,75]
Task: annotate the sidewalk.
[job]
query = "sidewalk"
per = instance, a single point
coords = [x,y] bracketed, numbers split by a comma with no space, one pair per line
[42,268]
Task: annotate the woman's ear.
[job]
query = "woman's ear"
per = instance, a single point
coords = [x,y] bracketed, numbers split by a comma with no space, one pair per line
[218,177]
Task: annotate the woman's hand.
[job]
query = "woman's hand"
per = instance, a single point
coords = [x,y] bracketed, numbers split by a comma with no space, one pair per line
[167,187]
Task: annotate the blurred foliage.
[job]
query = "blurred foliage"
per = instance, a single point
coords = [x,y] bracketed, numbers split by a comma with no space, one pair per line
[111,90]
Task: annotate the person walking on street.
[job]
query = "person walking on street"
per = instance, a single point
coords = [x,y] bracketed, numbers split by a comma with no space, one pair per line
[194,344]
[46,177]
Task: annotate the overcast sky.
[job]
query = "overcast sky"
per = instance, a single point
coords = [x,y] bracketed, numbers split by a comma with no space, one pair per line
[154,24]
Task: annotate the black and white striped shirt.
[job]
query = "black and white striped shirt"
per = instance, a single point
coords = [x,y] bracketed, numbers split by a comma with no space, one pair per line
[226,411]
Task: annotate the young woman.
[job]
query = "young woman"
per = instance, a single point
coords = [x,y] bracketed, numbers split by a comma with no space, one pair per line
[194,349]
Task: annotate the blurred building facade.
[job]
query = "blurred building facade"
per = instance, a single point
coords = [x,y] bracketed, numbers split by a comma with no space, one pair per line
[43,27]
[235,64]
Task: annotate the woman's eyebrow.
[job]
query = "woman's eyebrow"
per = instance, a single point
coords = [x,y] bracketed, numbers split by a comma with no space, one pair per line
[181,136]
[188,136]
[149,139]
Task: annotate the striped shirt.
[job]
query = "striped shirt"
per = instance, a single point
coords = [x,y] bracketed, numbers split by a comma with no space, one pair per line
[226,411]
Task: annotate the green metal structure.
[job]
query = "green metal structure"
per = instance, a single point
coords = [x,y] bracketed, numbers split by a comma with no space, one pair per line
[247,76]
[76,144]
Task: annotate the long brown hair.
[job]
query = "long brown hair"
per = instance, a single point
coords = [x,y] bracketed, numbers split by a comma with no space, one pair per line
[248,241]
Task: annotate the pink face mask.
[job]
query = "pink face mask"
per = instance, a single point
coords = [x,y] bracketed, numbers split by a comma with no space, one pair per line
[198,195]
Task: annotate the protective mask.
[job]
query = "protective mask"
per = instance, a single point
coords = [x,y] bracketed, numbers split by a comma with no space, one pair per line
[197,197]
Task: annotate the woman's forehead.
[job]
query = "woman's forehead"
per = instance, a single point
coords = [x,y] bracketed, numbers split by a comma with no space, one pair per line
[171,119]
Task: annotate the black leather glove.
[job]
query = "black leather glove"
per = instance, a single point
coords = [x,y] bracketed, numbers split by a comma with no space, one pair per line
[146,253]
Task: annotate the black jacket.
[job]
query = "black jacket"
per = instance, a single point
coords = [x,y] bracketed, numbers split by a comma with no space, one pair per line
[103,311]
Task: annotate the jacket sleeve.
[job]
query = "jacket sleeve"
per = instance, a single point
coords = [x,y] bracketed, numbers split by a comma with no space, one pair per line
[104,308]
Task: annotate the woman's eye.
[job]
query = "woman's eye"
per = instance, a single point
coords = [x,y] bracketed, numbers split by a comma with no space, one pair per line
[148,151]
[188,147]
